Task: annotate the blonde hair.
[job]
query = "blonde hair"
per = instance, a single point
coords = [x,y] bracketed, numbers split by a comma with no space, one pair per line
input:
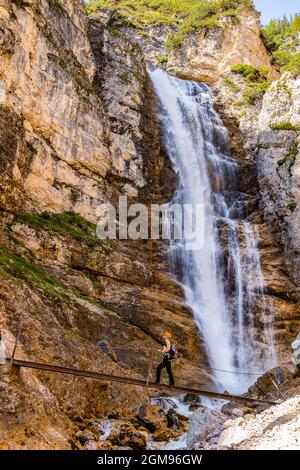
[168,335]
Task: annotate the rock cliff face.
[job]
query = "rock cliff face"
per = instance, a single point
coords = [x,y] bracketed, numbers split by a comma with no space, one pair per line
[62,140]
[205,55]
[279,165]
[267,158]
[79,128]
[57,134]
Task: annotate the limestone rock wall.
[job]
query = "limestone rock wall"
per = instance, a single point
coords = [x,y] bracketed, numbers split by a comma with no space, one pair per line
[279,166]
[78,128]
[204,56]
[272,205]
[67,129]
[58,128]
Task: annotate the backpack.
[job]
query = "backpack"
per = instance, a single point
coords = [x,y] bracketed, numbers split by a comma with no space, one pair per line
[173,353]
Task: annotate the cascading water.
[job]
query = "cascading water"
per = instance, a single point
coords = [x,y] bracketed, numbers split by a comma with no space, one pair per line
[223,280]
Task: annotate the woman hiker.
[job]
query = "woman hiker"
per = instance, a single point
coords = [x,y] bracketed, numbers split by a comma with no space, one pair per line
[166,360]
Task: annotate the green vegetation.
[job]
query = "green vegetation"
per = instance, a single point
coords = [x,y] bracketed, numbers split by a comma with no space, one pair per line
[291,156]
[21,268]
[21,3]
[75,334]
[250,73]
[66,223]
[292,206]
[282,86]
[55,3]
[255,91]
[229,82]
[285,126]
[282,39]
[187,15]
[161,59]
[124,76]
[256,81]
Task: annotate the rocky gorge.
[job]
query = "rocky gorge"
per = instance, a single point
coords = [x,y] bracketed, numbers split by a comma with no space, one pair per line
[79,127]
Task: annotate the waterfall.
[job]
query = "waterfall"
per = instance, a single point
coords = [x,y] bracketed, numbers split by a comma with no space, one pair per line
[223,280]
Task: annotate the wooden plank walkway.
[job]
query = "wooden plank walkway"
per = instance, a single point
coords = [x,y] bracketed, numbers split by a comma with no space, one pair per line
[140,383]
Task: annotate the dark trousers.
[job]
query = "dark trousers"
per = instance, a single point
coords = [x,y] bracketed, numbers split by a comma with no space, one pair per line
[167,364]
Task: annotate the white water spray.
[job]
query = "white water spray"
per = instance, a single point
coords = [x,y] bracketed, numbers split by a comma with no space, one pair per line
[223,279]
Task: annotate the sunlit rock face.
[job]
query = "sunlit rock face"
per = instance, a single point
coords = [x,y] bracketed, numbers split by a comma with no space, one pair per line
[205,55]
[72,110]
[268,159]
[78,127]
[279,164]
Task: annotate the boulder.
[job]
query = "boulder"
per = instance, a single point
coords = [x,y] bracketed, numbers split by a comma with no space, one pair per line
[85,436]
[176,420]
[265,384]
[191,399]
[153,417]
[276,428]
[205,427]
[234,410]
[296,352]
[164,435]
[128,436]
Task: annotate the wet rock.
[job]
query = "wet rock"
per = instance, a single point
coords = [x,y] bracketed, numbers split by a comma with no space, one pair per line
[127,435]
[95,429]
[205,426]
[232,409]
[191,399]
[164,435]
[85,436]
[296,350]
[152,417]
[265,384]
[113,415]
[176,420]
[91,445]
[164,403]
[105,445]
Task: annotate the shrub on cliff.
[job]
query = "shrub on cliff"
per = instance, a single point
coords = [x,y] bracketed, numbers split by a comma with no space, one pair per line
[282,39]
[285,126]
[187,15]
[251,73]
[66,223]
[255,79]
[288,62]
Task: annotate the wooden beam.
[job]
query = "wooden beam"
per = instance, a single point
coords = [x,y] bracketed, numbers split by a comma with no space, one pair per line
[140,383]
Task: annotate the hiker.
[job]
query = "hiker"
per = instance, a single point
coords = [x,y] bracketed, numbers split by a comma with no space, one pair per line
[168,353]
[2,344]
